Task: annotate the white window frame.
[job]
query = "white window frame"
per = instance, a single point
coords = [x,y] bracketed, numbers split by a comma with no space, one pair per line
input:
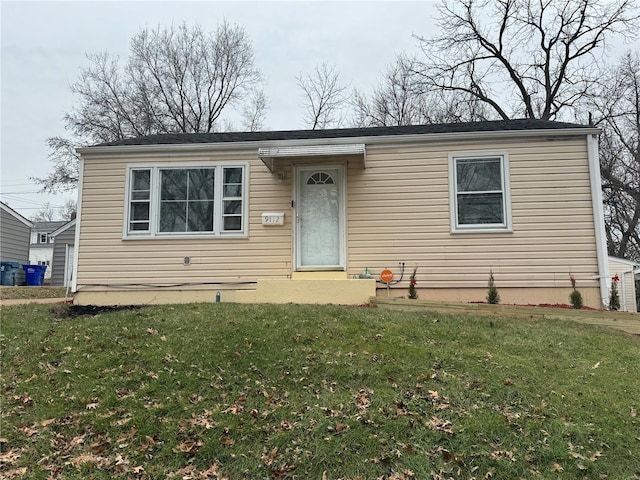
[154,206]
[506,225]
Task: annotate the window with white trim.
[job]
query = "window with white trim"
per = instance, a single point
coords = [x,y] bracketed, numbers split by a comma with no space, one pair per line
[480,193]
[186,201]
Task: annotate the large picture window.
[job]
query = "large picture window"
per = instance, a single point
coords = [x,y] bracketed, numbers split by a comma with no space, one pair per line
[164,201]
[480,193]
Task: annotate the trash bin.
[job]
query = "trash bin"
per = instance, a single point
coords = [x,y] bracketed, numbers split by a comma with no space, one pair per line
[8,271]
[34,274]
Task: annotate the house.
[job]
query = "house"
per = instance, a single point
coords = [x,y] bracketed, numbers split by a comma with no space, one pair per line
[63,253]
[626,271]
[41,251]
[15,231]
[300,216]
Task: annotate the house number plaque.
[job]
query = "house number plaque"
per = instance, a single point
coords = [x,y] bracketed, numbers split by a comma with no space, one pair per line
[273,218]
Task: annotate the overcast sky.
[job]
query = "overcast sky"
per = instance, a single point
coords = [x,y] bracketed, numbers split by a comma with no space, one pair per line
[44,46]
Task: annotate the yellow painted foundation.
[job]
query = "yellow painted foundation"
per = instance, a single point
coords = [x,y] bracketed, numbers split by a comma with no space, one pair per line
[319,291]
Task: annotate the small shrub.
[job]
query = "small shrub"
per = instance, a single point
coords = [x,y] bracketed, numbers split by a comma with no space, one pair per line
[493,297]
[575,297]
[412,285]
[614,298]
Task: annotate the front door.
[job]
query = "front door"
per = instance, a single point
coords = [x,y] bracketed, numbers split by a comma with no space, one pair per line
[320,218]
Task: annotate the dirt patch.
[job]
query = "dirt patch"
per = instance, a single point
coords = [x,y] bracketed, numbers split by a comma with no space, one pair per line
[542,305]
[73,311]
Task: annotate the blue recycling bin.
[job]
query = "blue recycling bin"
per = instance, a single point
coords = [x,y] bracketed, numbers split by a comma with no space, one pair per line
[8,273]
[34,274]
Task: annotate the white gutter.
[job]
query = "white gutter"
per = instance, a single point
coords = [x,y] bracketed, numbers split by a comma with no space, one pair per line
[598,217]
[166,148]
[76,243]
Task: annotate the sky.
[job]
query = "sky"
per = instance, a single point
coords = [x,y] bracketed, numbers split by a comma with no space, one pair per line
[44,47]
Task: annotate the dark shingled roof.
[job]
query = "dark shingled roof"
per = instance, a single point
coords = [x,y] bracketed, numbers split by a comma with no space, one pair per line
[489,126]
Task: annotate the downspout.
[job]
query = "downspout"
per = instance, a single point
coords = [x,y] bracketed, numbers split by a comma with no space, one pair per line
[76,243]
[598,218]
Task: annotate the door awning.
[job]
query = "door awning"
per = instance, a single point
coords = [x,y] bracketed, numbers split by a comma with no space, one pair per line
[269,155]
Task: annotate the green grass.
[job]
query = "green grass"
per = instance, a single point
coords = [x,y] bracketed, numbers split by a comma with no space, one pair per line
[311,392]
[32,292]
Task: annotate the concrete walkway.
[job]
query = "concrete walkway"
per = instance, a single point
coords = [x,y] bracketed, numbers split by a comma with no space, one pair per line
[627,322]
[6,302]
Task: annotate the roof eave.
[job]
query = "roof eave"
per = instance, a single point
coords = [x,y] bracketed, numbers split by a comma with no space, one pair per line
[368,140]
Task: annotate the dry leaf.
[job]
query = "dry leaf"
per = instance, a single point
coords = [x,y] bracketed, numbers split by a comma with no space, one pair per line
[597,365]
[557,468]
[594,456]
[633,412]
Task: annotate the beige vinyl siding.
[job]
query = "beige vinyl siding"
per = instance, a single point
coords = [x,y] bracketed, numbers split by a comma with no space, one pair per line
[398,211]
[106,258]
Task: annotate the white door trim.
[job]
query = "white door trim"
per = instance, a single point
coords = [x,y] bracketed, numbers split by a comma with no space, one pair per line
[342,212]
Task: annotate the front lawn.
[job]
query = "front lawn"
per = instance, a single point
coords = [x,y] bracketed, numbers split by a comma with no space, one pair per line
[313,392]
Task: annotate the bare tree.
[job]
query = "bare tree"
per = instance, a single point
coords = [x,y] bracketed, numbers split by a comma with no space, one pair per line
[324,97]
[68,210]
[176,79]
[397,101]
[47,213]
[254,112]
[66,163]
[522,58]
[617,105]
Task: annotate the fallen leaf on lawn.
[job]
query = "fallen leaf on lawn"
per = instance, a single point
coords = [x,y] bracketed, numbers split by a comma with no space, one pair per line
[557,468]
[16,473]
[581,467]
[138,469]
[597,365]
[151,331]
[211,472]
[440,425]
[3,440]
[189,447]
[594,456]
[32,377]
[92,406]
[10,456]
[46,422]
[24,399]
[163,338]
[186,473]
[497,454]
[89,458]
[633,412]
[362,399]
[28,431]
[508,382]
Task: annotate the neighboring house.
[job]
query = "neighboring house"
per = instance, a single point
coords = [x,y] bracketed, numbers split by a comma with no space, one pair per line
[297,216]
[626,270]
[15,231]
[63,253]
[41,252]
